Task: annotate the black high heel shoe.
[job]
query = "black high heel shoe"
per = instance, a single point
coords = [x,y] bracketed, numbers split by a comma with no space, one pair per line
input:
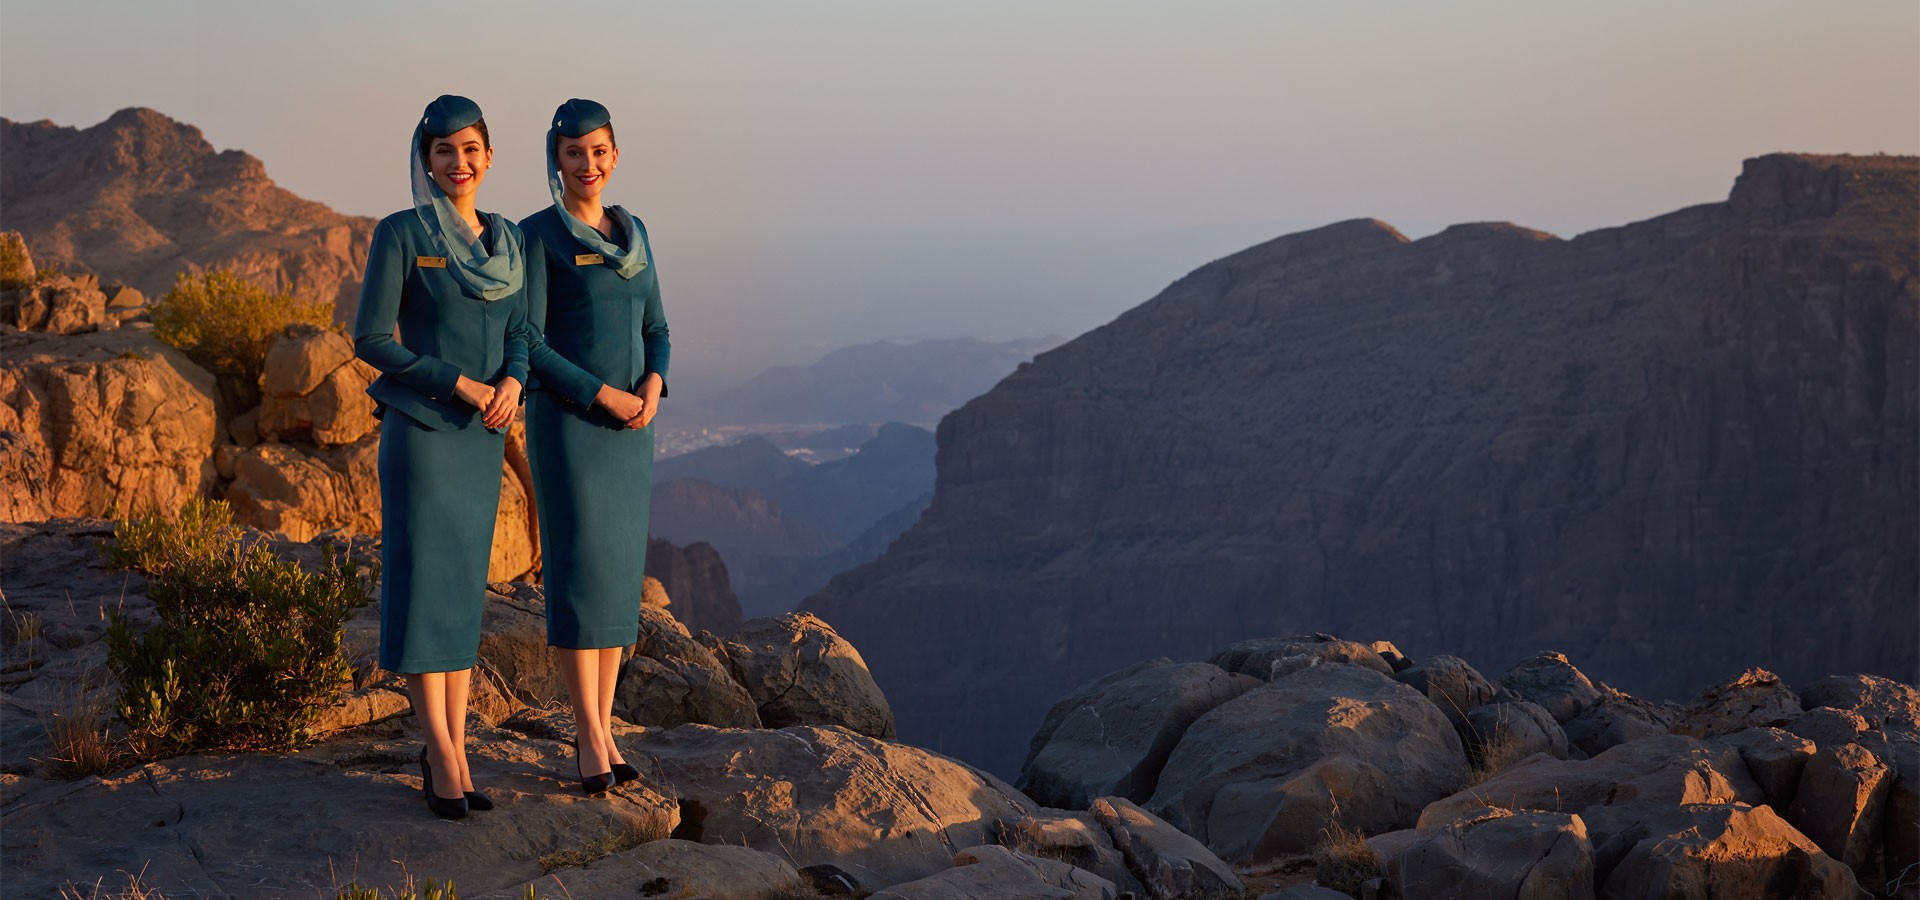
[591,784]
[455,808]
[623,773]
[479,802]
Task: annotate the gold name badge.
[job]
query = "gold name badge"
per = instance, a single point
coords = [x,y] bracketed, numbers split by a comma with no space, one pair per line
[430,262]
[589,259]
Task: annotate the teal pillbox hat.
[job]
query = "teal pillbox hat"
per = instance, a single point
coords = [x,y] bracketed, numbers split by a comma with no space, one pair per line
[449,113]
[575,118]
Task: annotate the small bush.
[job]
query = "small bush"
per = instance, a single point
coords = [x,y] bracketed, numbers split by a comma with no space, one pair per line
[224,322]
[247,649]
[152,544]
[1343,860]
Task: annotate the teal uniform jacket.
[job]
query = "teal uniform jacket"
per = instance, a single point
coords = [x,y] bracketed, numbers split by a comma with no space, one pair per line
[439,466]
[446,332]
[593,479]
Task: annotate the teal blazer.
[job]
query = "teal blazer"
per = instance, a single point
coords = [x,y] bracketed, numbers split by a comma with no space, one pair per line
[444,331]
[588,326]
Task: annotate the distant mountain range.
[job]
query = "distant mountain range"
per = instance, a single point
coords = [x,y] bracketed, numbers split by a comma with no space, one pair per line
[1672,449]
[140,197]
[783,526]
[879,382]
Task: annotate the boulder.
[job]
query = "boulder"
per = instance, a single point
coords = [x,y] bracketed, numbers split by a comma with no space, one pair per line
[1498,854]
[1774,758]
[1902,855]
[672,679]
[1500,734]
[1841,803]
[886,813]
[62,304]
[1882,702]
[1623,795]
[301,492]
[1551,681]
[1305,892]
[990,871]
[666,869]
[1262,774]
[1615,719]
[99,422]
[1729,851]
[1450,683]
[1165,860]
[1754,699]
[1391,655]
[1077,839]
[800,672]
[1269,658]
[1113,736]
[313,389]
[513,646]
[302,825]
[1827,726]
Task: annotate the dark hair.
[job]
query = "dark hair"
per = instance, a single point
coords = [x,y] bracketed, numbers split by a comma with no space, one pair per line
[555,149]
[426,140]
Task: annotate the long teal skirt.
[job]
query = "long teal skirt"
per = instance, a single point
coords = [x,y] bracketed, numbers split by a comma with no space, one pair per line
[439,494]
[593,485]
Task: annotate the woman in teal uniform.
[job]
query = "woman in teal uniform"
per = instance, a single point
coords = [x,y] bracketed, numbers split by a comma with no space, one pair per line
[451,279]
[591,289]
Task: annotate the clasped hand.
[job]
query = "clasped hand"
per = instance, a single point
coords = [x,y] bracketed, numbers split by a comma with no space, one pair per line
[633,410]
[496,402]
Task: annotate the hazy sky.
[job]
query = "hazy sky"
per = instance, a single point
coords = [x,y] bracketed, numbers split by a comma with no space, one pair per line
[820,174]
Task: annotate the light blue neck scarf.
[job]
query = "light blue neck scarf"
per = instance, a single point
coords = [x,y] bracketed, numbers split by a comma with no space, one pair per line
[628,261]
[487,276]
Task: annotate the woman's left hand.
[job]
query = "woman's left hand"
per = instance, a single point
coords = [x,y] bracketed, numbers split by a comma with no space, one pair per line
[506,398]
[650,395]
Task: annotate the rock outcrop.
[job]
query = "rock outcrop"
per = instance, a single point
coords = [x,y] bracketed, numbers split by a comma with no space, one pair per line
[801,672]
[101,421]
[1640,445]
[140,198]
[696,578]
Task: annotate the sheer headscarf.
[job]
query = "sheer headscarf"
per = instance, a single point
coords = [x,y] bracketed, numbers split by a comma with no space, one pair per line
[577,118]
[487,276]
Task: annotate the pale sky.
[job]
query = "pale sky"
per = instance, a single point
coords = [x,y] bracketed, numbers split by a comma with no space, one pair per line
[821,174]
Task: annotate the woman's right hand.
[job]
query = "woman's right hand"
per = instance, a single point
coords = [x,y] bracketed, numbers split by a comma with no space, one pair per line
[622,405]
[476,393]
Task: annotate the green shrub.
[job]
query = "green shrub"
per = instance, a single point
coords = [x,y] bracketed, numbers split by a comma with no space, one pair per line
[224,322]
[16,267]
[153,544]
[247,649]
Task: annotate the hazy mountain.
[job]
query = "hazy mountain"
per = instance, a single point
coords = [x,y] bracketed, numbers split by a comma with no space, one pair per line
[783,537]
[752,463]
[877,382]
[139,198]
[1673,449]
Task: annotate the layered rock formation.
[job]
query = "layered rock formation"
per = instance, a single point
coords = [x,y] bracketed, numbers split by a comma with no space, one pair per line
[140,197]
[1675,449]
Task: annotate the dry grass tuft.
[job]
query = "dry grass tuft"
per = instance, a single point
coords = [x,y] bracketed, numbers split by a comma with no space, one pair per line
[1343,860]
[98,890]
[625,837]
[77,727]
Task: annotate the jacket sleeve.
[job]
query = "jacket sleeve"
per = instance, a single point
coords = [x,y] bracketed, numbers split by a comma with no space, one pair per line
[515,351]
[379,314]
[653,330]
[557,373]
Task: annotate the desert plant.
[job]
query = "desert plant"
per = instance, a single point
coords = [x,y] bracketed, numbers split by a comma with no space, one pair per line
[224,322]
[152,543]
[1343,860]
[76,725]
[245,655]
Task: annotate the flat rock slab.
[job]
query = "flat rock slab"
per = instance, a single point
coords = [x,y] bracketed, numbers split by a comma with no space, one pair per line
[886,813]
[307,824]
[990,871]
[666,869]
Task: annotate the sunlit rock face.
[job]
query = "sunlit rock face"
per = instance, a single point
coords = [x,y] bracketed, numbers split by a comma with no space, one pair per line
[1674,450]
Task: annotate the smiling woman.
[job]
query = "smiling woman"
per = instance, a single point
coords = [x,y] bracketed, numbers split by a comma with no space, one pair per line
[450,279]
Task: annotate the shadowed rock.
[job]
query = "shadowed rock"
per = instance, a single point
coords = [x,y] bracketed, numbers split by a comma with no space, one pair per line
[1498,854]
[990,871]
[1167,861]
[669,868]
[1882,702]
[1262,774]
[672,679]
[1498,734]
[1450,683]
[1841,802]
[1725,851]
[799,671]
[1774,758]
[1112,737]
[1270,658]
[1755,699]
